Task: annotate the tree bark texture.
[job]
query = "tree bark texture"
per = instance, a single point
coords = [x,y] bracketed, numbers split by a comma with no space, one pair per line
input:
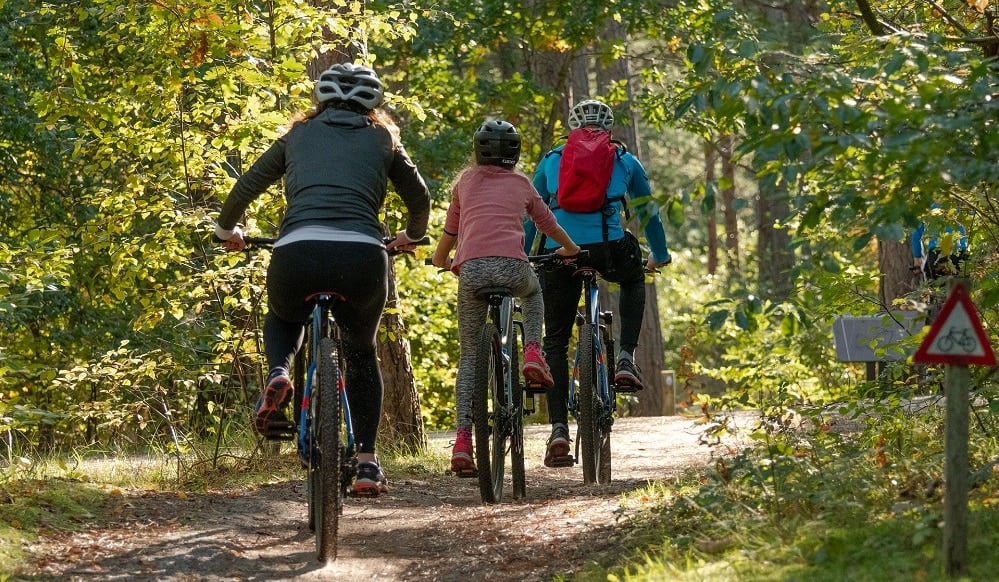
[728,202]
[712,218]
[402,421]
[897,278]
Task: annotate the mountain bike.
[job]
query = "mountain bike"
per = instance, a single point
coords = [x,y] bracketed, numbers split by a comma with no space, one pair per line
[324,430]
[592,392]
[498,400]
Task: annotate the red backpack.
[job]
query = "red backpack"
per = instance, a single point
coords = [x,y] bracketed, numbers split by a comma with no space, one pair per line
[585,170]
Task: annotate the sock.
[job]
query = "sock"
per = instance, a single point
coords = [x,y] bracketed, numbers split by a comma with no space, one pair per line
[464,434]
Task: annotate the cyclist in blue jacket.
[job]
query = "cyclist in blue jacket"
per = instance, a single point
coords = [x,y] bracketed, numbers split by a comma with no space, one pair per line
[613,251]
[336,164]
[927,245]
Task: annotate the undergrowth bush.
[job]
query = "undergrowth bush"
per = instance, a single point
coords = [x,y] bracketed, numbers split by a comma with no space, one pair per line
[812,502]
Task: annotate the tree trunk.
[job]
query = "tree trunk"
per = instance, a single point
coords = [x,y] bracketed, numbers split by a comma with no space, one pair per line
[402,421]
[649,356]
[728,203]
[334,49]
[774,248]
[712,218]
[897,278]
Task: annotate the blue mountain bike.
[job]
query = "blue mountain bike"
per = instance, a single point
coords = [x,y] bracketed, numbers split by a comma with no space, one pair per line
[323,429]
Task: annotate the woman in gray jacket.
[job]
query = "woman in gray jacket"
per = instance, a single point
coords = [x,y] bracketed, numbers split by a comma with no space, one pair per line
[336,164]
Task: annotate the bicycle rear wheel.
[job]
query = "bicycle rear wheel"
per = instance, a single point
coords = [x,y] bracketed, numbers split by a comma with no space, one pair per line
[326,426]
[606,407]
[587,403]
[488,383]
[516,412]
[603,450]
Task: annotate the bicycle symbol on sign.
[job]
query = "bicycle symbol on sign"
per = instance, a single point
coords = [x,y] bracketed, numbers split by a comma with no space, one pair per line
[961,338]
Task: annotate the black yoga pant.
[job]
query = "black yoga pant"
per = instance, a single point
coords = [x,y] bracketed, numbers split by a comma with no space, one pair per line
[358,272]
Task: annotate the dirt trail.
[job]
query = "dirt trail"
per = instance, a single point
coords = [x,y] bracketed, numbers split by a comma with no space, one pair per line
[433,530]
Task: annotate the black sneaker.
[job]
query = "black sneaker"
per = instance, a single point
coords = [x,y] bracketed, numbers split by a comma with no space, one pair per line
[557,453]
[627,378]
[370,482]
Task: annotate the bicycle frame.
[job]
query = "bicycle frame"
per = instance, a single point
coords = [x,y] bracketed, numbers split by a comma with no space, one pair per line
[602,341]
[322,319]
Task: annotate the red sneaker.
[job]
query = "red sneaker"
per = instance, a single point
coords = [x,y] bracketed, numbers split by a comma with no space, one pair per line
[535,368]
[269,419]
[462,463]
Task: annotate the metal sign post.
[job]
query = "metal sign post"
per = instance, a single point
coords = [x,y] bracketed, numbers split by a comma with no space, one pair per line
[957,340]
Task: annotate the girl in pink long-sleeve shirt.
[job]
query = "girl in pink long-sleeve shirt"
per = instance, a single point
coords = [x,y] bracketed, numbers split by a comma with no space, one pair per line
[485,220]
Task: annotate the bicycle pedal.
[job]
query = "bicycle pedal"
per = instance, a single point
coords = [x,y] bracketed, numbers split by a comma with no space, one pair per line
[466,473]
[280,431]
[562,462]
[627,388]
[535,388]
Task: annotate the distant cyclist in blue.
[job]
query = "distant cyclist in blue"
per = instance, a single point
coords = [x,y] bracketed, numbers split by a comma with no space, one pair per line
[929,244]
[613,251]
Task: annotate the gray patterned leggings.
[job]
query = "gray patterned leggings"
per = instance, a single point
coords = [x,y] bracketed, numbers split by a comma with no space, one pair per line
[519,277]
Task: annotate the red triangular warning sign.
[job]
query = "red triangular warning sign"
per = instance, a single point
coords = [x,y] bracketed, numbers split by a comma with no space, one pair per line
[956,336]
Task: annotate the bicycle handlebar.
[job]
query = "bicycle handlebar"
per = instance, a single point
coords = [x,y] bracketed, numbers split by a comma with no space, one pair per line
[263,242]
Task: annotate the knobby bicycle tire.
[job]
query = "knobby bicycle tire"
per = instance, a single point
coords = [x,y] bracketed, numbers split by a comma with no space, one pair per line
[516,408]
[488,379]
[586,396]
[605,417]
[327,427]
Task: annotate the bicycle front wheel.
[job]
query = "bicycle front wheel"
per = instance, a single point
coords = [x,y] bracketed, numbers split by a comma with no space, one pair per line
[587,403]
[488,382]
[327,432]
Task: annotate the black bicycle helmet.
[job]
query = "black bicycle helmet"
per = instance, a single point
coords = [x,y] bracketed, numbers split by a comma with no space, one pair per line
[350,83]
[497,143]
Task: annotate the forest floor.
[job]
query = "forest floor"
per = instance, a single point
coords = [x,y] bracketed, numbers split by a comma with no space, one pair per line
[426,528]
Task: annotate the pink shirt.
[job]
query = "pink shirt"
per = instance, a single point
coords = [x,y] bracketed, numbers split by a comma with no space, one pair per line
[487,213]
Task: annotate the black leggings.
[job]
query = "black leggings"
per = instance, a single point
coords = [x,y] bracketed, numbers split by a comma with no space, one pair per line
[618,261]
[357,271]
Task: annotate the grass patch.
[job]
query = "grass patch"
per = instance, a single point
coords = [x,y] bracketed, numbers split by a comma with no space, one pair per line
[31,506]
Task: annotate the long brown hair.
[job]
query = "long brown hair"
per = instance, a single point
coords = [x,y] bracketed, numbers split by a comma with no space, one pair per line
[378,116]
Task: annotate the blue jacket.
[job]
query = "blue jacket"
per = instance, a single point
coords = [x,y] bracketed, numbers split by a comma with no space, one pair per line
[627,180]
[932,239]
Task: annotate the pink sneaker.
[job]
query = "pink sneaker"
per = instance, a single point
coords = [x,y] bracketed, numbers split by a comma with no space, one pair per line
[535,367]
[461,455]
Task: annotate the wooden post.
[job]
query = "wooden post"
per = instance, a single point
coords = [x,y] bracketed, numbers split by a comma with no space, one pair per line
[957,318]
[955,537]
[669,392]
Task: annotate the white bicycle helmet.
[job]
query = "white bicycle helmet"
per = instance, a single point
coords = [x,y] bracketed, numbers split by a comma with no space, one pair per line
[591,112]
[351,83]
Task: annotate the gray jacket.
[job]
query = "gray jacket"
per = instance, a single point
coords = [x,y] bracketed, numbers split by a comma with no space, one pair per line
[336,167]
